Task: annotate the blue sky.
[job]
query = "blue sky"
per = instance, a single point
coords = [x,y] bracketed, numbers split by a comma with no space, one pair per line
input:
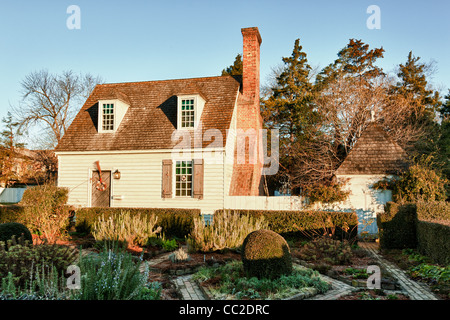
[153,40]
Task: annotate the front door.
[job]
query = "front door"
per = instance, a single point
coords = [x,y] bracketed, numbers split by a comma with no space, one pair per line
[101,192]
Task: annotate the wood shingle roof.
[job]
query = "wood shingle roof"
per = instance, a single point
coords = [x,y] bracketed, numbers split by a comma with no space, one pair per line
[152,114]
[374,153]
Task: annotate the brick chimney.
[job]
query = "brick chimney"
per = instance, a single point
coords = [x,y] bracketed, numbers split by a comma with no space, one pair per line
[246,177]
[250,77]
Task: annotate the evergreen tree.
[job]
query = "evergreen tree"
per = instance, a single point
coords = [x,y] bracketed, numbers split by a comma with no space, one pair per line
[355,60]
[290,109]
[235,69]
[445,108]
[413,83]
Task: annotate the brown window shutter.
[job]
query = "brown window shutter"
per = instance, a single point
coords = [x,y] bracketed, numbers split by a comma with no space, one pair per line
[167,178]
[198,178]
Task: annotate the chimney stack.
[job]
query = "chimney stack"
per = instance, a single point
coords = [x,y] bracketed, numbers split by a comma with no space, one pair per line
[250,77]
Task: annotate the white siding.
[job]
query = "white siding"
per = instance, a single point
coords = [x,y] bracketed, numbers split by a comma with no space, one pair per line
[140,183]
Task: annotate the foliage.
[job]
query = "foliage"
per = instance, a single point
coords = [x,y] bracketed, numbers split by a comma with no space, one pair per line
[179,256]
[8,144]
[14,229]
[436,211]
[232,282]
[431,272]
[45,211]
[227,231]
[433,240]
[325,193]
[126,228]
[356,273]
[397,226]
[308,222]
[235,69]
[325,249]
[114,275]
[420,181]
[21,260]
[173,222]
[266,254]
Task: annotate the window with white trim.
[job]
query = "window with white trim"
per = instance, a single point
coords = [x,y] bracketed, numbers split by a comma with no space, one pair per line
[183,178]
[108,117]
[187,113]
[190,109]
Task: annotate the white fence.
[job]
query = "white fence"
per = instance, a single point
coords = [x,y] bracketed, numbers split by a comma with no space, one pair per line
[264,203]
[11,195]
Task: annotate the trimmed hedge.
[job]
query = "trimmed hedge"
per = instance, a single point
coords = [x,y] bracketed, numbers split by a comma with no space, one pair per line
[174,222]
[397,226]
[414,225]
[266,254]
[434,241]
[298,223]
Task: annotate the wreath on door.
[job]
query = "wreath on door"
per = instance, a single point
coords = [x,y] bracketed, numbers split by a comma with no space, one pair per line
[100,185]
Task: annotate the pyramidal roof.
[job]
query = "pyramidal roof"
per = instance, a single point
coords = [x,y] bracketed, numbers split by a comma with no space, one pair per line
[374,153]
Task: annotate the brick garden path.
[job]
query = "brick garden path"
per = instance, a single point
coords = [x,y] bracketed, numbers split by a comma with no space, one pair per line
[415,290]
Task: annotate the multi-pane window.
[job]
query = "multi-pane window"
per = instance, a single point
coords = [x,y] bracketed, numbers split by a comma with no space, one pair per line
[187,113]
[108,117]
[183,179]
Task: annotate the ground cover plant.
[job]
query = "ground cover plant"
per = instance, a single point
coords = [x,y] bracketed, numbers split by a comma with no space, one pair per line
[421,268]
[230,282]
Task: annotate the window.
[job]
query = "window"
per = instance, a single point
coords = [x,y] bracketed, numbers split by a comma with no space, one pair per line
[187,113]
[183,179]
[108,117]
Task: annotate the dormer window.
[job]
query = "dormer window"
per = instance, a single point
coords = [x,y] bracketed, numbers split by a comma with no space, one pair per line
[110,115]
[187,113]
[190,108]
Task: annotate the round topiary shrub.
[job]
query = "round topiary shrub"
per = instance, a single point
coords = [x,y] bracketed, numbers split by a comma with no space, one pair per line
[266,254]
[10,229]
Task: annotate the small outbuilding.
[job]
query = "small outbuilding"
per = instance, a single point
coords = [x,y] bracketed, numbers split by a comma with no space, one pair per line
[375,156]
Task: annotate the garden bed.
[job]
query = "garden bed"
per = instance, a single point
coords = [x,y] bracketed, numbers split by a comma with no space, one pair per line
[197,260]
[228,282]
[374,295]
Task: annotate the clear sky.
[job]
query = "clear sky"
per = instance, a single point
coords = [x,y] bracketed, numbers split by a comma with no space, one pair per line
[137,40]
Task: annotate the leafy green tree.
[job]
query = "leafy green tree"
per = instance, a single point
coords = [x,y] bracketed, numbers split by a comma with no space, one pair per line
[235,69]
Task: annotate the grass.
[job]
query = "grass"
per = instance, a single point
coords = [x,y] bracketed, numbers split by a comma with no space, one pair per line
[228,281]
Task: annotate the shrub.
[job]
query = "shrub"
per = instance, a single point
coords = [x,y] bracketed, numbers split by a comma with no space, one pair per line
[114,275]
[45,211]
[326,193]
[11,213]
[343,225]
[266,254]
[126,228]
[21,260]
[420,181]
[434,211]
[334,252]
[173,222]
[433,240]
[397,226]
[8,230]
[227,231]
